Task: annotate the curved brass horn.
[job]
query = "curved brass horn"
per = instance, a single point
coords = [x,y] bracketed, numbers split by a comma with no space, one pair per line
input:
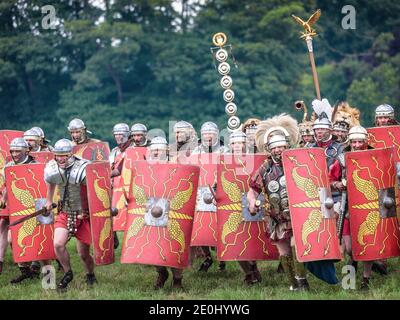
[299,104]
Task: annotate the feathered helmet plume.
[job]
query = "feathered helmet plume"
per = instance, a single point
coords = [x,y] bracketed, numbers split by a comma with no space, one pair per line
[282,124]
[324,112]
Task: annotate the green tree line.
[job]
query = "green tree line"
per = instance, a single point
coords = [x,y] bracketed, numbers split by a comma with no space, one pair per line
[110,61]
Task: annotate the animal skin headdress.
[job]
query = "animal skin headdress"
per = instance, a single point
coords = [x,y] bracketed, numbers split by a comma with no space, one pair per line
[283,120]
[344,112]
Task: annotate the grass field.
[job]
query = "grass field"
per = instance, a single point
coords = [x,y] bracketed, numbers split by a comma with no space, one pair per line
[122,281]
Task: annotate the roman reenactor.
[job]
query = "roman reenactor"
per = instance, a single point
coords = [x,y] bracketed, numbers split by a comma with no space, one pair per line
[363,169]
[237,142]
[239,145]
[384,116]
[158,149]
[249,127]
[185,140]
[305,127]
[358,140]
[44,143]
[210,143]
[69,173]
[276,135]
[32,137]
[139,135]
[322,128]
[344,117]
[79,133]
[19,150]
[121,134]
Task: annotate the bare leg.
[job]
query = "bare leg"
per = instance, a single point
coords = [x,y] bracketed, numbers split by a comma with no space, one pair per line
[283,247]
[366,275]
[208,261]
[60,242]
[177,278]
[367,269]
[84,252]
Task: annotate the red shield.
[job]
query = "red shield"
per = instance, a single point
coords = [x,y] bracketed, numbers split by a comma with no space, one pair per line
[99,198]
[313,220]
[6,136]
[26,190]
[204,232]
[374,228]
[122,182]
[160,214]
[42,156]
[132,154]
[385,137]
[119,200]
[241,237]
[94,151]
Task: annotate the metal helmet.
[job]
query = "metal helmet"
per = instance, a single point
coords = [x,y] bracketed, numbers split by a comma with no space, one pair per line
[209,126]
[63,147]
[32,134]
[322,123]
[123,129]
[384,110]
[76,124]
[358,133]
[19,144]
[182,125]
[40,131]
[138,128]
[237,136]
[276,137]
[158,143]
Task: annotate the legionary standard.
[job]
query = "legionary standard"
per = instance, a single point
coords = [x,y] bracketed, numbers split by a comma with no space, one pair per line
[310,205]
[26,190]
[161,207]
[241,236]
[308,35]
[371,187]
[221,53]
